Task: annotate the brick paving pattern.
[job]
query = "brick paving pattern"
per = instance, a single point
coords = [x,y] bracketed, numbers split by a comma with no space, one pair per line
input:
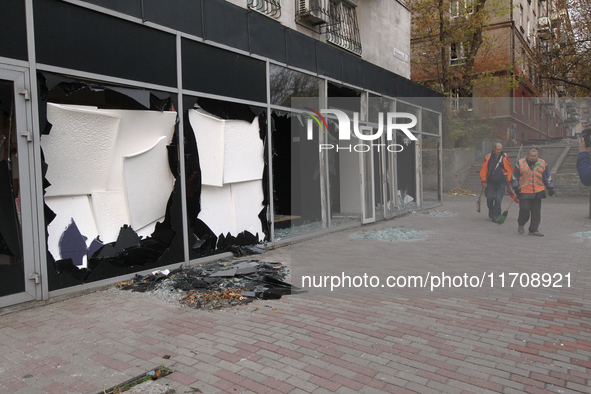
[521,341]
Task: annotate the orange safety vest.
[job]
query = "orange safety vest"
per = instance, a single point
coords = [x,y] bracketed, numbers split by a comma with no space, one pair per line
[505,164]
[531,181]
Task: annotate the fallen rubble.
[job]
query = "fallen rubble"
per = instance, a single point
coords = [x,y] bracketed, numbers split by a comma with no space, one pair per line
[219,284]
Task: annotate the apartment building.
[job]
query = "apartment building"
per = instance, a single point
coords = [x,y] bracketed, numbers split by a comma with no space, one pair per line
[516,33]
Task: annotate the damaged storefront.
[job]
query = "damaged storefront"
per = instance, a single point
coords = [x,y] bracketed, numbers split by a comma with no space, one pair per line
[142,138]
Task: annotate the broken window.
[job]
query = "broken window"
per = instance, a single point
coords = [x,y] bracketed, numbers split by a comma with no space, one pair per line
[12,278]
[226,175]
[286,83]
[113,203]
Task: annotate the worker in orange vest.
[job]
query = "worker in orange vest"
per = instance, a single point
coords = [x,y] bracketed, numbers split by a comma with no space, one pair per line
[495,174]
[531,177]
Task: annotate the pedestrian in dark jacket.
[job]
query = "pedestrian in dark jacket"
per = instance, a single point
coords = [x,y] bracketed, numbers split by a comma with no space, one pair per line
[531,177]
[495,174]
[584,162]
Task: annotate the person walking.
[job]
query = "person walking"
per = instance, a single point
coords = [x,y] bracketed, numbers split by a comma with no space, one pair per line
[584,161]
[495,174]
[531,177]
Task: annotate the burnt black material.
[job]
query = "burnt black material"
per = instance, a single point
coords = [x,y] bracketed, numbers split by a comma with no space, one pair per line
[220,283]
[13,30]
[74,37]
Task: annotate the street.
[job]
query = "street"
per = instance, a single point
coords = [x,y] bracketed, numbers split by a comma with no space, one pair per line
[510,330]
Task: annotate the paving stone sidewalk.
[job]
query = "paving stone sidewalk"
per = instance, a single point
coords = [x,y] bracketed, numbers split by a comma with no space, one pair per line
[380,340]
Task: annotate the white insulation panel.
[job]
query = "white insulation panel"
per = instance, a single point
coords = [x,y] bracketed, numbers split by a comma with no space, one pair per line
[148,184]
[138,131]
[209,134]
[247,198]
[111,213]
[243,151]
[78,150]
[66,209]
[217,209]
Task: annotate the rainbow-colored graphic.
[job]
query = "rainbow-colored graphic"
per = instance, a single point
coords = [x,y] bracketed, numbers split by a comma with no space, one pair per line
[315,115]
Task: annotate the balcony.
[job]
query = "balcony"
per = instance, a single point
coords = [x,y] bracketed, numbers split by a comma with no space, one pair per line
[271,8]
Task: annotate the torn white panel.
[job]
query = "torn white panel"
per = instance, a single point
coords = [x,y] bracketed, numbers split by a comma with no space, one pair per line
[217,209]
[66,209]
[147,231]
[148,183]
[247,198]
[209,134]
[243,151]
[110,209]
[78,149]
[138,131]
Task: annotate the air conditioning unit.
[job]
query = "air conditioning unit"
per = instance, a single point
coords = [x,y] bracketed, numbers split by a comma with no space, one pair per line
[313,12]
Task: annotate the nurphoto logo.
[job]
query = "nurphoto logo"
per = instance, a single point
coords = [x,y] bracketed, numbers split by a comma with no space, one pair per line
[363,133]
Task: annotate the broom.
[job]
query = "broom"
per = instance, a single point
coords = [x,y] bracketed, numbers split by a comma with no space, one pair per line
[478,202]
[502,218]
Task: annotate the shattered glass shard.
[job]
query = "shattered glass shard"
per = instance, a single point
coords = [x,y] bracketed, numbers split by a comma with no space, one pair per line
[72,244]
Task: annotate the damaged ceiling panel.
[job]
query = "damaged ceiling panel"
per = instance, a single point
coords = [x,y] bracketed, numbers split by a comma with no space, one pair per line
[147,174]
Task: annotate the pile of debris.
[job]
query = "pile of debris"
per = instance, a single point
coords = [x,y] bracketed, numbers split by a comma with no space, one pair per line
[434,213]
[458,191]
[391,234]
[218,284]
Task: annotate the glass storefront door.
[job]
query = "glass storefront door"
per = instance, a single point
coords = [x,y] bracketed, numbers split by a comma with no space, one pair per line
[19,281]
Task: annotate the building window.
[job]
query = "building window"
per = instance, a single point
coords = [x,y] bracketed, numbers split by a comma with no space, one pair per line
[457,102]
[343,28]
[461,7]
[522,103]
[521,18]
[456,54]
[270,8]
